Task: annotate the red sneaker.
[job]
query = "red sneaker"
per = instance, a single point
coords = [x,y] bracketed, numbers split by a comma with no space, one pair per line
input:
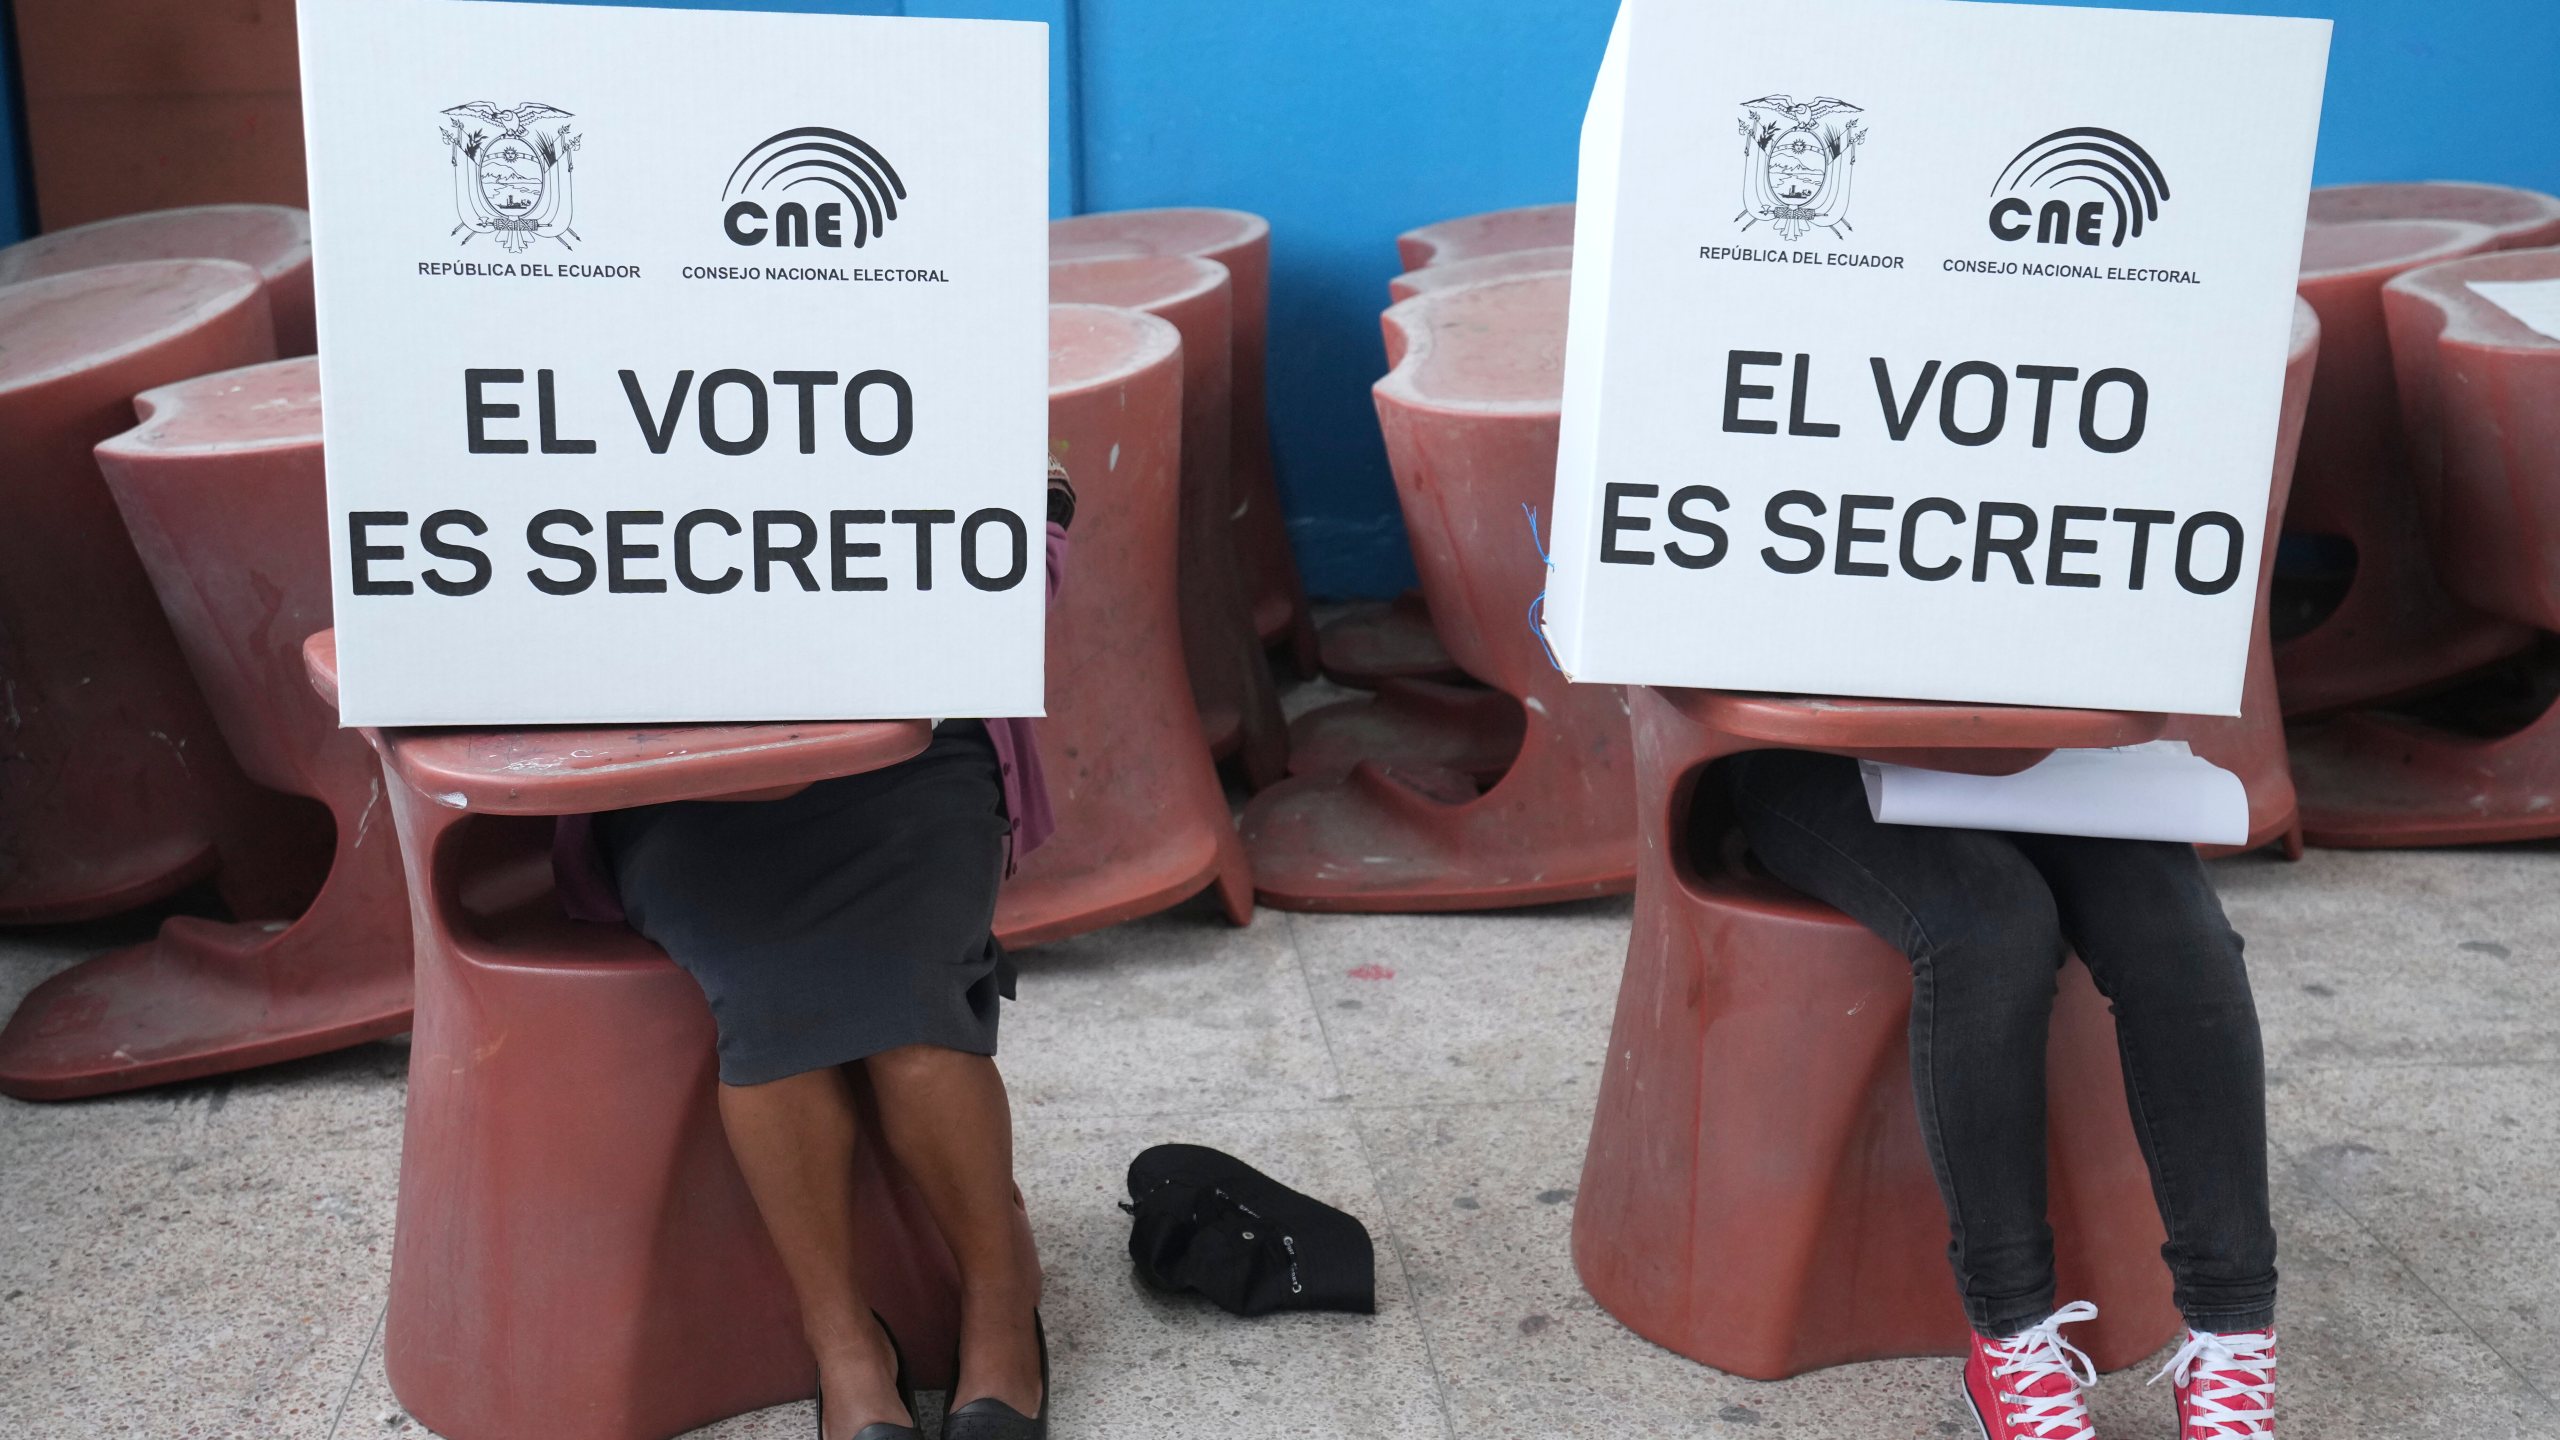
[2226,1385]
[2027,1387]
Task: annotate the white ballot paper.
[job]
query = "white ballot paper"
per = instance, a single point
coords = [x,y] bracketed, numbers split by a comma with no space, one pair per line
[2534,303]
[2159,791]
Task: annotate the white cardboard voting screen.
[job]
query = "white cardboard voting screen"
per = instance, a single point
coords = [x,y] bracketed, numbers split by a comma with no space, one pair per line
[1930,349]
[680,365]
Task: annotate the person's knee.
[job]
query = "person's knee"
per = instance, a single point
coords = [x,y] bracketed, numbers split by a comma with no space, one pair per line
[2162,933]
[2007,931]
[920,1064]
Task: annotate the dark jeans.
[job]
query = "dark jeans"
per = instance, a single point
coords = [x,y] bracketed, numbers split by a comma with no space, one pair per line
[1987,920]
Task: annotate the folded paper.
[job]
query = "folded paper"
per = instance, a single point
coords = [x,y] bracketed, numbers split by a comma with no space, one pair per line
[2159,791]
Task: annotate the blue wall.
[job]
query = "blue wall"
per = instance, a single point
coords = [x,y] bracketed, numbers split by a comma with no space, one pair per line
[1346,121]
[15,184]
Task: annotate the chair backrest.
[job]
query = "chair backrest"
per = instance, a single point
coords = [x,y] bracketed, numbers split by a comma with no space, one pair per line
[2352,435]
[1530,227]
[1197,298]
[2522,219]
[274,240]
[1470,413]
[2480,400]
[221,490]
[1504,265]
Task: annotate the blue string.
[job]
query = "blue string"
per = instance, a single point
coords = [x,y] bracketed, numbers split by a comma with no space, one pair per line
[1537,606]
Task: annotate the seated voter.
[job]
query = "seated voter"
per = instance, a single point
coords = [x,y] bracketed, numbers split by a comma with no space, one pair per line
[1987,920]
[851,922]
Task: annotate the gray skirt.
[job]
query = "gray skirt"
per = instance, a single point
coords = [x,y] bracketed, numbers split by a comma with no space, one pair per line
[854,917]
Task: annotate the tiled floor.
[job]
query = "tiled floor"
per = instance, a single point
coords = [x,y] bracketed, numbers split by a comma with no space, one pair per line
[210,1260]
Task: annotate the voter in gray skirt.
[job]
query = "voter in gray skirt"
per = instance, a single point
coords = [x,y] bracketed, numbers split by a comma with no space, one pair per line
[852,922]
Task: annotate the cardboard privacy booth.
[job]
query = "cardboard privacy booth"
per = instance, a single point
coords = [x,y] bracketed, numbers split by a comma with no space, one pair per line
[680,365]
[1930,350]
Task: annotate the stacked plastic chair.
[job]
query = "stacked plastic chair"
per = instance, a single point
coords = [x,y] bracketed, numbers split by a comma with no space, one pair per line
[2397,632]
[1428,714]
[1470,412]
[220,487]
[1242,243]
[1374,644]
[2252,746]
[1142,821]
[576,1255]
[2480,398]
[1756,1195]
[274,240]
[1230,670]
[118,790]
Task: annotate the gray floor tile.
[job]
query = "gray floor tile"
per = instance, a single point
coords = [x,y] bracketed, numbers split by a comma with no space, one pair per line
[1482,1202]
[2450,1168]
[1176,1012]
[211,1260]
[1452,1009]
[1130,1363]
[2395,957]
[213,1252]
[1134,1363]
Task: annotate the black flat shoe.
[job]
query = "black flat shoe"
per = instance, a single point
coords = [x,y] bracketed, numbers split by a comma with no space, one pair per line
[992,1419]
[882,1429]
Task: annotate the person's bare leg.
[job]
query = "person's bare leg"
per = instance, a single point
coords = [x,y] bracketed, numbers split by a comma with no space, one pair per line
[943,1114]
[794,1140]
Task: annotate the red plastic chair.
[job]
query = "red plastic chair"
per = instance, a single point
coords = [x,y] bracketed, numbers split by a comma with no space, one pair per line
[576,1256]
[2481,393]
[2520,219]
[2252,746]
[1242,243]
[1756,1195]
[1476,270]
[1142,820]
[1230,670]
[274,240]
[221,491]
[115,788]
[2397,632]
[1470,413]
[1532,227]
[1396,641]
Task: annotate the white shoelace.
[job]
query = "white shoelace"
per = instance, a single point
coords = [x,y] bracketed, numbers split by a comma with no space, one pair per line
[2227,1404]
[2041,1353]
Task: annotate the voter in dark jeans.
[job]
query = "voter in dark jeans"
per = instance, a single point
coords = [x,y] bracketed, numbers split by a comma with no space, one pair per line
[1987,920]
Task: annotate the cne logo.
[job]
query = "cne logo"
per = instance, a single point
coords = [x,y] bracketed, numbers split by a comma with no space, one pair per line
[812,160]
[2130,183]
